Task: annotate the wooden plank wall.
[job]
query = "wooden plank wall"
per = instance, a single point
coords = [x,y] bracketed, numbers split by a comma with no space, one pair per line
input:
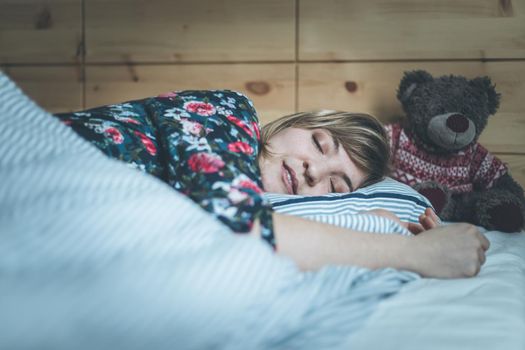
[287,55]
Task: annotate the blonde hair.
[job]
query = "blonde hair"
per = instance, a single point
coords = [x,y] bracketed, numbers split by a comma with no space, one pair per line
[361,135]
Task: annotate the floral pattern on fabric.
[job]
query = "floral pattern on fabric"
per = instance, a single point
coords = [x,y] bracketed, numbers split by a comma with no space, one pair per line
[122,131]
[203,143]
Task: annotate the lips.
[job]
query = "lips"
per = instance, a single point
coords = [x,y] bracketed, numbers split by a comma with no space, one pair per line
[289,179]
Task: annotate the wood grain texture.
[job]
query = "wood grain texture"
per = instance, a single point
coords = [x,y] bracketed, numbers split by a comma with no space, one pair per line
[137,48]
[269,86]
[40,31]
[374,87]
[516,164]
[411,29]
[56,89]
[189,30]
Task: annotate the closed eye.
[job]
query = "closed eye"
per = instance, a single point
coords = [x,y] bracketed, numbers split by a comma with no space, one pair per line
[317,144]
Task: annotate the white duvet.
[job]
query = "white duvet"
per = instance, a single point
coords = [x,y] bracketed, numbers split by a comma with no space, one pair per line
[95,255]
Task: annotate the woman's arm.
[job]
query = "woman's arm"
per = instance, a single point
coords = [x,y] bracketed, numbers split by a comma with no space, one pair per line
[452,251]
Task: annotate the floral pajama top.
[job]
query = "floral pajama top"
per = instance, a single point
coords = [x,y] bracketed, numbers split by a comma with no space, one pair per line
[203,143]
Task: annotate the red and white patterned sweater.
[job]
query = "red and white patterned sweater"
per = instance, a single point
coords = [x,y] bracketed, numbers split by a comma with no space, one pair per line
[459,172]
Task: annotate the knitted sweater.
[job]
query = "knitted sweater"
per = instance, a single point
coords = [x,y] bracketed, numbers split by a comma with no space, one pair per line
[468,169]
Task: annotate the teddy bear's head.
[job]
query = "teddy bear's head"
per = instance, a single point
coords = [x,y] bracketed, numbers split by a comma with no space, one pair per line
[448,113]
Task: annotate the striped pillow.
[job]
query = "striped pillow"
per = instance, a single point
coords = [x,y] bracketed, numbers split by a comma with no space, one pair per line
[341,208]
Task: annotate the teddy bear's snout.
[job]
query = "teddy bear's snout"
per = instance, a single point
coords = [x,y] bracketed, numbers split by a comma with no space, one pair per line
[457,123]
[451,131]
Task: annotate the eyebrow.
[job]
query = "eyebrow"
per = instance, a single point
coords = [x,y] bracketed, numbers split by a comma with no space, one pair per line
[345,177]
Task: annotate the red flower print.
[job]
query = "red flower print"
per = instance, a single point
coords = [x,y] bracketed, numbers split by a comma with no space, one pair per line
[131,121]
[168,94]
[115,135]
[146,141]
[240,124]
[201,108]
[205,163]
[240,146]
[249,184]
[255,127]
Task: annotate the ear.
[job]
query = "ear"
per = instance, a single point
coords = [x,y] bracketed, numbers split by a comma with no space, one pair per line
[410,81]
[485,84]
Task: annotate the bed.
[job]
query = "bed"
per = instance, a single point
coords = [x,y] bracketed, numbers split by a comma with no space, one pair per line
[92,255]
[486,312]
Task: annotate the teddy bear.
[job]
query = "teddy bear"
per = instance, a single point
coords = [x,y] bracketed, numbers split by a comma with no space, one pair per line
[435,150]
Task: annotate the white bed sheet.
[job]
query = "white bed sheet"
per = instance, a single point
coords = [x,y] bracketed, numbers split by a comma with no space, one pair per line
[482,313]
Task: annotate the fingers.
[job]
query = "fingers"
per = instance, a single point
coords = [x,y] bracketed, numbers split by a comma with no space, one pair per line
[481,256]
[427,222]
[485,244]
[429,219]
[430,212]
[414,228]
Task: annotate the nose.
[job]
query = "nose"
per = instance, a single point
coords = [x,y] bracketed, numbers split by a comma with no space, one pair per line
[457,123]
[314,172]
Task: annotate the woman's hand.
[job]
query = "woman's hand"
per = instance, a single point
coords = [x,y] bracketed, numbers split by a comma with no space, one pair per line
[427,221]
[455,251]
[452,251]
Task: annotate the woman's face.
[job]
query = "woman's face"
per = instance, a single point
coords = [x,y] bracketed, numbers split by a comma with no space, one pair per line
[308,162]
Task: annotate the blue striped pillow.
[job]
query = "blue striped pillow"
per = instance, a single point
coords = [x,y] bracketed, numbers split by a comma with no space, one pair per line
[341,208]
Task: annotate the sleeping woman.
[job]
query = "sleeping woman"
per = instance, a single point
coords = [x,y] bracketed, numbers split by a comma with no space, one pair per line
[208,146]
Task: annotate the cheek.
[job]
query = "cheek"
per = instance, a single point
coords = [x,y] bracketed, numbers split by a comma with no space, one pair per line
[312,191]
[268,175]
[264,178]
[290,143]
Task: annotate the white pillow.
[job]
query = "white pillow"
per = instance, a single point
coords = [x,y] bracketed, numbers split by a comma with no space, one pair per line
[341,208]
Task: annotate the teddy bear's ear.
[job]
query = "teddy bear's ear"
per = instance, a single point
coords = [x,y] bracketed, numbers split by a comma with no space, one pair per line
[485,84]
[410,81]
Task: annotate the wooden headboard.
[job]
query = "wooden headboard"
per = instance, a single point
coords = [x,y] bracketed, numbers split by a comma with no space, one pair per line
[286,55]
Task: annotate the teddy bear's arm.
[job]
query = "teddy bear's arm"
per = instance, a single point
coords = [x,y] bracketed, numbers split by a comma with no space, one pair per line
[502,207]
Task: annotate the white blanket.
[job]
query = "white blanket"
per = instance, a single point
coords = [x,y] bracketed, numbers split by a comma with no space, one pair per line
[482,313]
[95,255]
